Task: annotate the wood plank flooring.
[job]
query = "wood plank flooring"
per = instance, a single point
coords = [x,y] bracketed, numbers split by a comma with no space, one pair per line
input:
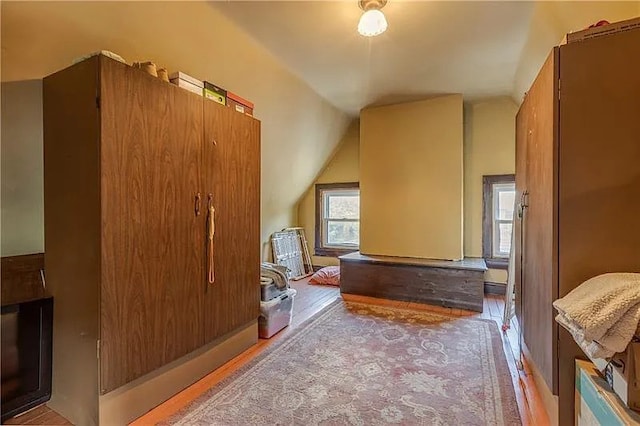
[311,299]
[41,415]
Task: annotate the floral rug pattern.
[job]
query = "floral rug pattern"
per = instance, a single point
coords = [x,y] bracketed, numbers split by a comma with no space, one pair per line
[357,364]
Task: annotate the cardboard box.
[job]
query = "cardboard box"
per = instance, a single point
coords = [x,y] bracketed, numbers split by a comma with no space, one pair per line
[623,373]
[215,93]
[186,77]
[595,403]
[187,82]
[603,30]
[240,104]
[187,86]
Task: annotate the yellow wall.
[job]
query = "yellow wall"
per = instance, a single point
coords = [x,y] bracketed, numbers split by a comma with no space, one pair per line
[489,149]
[343,167]
[551,21]
[411,179]
[300,130]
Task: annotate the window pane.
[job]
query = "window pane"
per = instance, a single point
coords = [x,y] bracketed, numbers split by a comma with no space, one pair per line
[504,195]
[343,233]
[505,204]
[503,237]
[343,205]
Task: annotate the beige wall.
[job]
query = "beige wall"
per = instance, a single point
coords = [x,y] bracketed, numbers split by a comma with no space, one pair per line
[411,179]
[21,153]
[343,167]
[300,130]
[551,21]
[489,149]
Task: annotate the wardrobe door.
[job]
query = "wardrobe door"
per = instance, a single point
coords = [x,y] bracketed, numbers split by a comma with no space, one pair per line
[232,177]
[522,137]
[151,293]
[539,266]
[599,189]
[599,158]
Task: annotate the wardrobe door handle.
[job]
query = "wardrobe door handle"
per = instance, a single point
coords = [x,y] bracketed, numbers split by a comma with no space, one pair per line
[196,206]
[210,234]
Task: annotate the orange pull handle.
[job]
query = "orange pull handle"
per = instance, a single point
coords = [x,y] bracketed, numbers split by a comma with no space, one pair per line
[211,232]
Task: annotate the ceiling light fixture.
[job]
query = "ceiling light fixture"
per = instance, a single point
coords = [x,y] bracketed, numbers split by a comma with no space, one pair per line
[372,22]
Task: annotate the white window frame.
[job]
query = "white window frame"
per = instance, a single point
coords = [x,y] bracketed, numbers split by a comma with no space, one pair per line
[496,189]
[491,222]
[323,193]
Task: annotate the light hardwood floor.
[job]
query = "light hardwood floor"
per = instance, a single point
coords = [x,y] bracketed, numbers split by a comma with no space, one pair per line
[311,299]
[41,415]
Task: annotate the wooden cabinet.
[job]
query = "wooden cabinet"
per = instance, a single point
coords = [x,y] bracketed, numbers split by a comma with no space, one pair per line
[577,156]
[131,166]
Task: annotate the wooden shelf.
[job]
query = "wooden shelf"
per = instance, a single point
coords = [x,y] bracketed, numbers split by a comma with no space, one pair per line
[22,279]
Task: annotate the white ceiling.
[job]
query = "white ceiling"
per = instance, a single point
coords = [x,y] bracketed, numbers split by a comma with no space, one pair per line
[430,48]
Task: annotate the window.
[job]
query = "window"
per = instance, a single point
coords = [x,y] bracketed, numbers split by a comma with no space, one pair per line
[498,197]
[337,218]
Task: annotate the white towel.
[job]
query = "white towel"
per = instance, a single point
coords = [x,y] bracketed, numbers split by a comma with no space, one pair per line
[603,311]
[592,349]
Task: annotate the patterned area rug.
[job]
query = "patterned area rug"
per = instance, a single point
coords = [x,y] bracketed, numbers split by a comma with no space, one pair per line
[356,364]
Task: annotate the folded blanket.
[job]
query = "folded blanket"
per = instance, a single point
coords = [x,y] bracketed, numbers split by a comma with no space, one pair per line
[278,273]
[591,348]
[602,314]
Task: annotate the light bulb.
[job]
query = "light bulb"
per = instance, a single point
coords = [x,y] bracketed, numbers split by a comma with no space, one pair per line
[372,23]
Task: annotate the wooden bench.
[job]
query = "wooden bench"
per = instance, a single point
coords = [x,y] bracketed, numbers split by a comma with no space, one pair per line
[454,284]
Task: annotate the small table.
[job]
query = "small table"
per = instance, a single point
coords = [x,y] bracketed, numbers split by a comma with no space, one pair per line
[27,331]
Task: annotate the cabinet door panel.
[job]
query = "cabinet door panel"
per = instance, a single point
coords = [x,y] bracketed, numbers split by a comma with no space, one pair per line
[522,138]
[599,172]
[232,175]
[152,294]
[539,286]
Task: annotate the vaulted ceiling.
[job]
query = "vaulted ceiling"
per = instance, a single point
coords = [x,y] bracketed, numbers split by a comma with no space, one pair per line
[479,49]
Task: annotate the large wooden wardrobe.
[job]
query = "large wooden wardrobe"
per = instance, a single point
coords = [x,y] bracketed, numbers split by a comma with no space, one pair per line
[138,174]
[578,177]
